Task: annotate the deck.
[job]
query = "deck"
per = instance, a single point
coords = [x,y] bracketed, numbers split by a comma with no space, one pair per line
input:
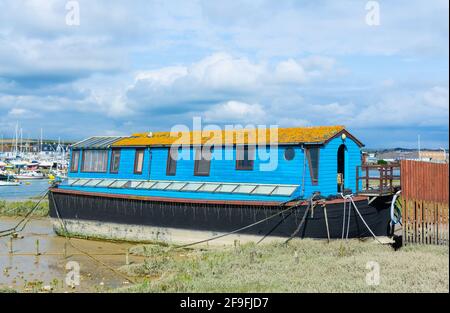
[377,180]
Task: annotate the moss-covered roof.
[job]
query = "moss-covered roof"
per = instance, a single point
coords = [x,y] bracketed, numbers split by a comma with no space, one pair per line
[314,135]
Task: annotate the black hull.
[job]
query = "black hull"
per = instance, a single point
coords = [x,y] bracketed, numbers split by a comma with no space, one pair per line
[219,217]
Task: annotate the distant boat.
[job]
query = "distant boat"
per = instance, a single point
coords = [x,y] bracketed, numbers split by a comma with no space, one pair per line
[6,176]
[8,183]
[30,175]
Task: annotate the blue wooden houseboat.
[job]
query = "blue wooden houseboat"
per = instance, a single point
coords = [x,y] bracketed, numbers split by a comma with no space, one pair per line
[188,186]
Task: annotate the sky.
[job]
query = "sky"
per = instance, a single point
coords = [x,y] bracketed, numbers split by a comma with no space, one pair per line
[88,67]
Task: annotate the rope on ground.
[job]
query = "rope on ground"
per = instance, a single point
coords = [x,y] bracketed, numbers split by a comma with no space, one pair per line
[20,226]
[292,207]
[81,250]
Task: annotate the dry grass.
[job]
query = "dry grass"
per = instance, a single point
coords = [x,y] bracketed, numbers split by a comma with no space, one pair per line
[300,266]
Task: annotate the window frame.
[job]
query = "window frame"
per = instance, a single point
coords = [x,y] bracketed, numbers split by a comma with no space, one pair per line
[136,161]
[201,159]
[72,170]
[111,164]
[171,161]
[83,160]
[314,180]
[249,167]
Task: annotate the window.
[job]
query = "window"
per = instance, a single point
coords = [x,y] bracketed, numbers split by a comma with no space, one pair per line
[74,163]
[94,161]
[313,159]
[139,161]
[245,157]
[115,161]
[202,161]
[289,154]
[172,156]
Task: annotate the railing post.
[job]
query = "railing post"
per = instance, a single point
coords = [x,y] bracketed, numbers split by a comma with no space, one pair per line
[357,179]
[380,169]
[367,178]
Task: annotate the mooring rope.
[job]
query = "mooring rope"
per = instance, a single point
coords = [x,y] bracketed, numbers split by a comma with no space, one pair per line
[279,223]
[81,250]
[24,220]
[246,227]
[350,197]
[311,205]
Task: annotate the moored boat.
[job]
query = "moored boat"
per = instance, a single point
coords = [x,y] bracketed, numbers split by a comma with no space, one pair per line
[150,187]
[29,175]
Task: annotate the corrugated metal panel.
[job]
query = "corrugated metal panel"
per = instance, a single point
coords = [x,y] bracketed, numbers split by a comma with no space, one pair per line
[424,181]
[97,142]
[425,217]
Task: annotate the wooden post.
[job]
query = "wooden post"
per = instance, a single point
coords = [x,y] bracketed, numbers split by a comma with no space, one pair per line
[11,245]
[127,261]
[326,222]
[37,247]
[65,250]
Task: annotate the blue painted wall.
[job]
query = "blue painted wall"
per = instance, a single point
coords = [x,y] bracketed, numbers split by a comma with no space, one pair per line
[223,168]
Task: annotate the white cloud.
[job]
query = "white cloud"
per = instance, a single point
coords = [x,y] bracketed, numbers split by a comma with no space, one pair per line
[437,98]
[427,108]
[290,71]
[217,78]
[235,111]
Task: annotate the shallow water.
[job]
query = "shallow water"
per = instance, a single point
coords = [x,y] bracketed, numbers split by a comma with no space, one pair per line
[28,188]
[22,269]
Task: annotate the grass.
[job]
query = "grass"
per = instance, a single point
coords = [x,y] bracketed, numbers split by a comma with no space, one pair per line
[300,266]
[20,208]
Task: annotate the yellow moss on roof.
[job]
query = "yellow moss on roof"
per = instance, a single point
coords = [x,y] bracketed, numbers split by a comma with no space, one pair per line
[316,134]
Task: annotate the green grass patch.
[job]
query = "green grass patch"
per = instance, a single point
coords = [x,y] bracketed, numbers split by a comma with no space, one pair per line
[21,208]
[300,266]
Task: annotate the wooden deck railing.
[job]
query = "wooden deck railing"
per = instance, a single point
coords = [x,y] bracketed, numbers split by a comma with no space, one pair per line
[377,180]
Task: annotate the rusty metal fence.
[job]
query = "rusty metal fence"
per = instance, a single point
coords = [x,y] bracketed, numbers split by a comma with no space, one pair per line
[425,202]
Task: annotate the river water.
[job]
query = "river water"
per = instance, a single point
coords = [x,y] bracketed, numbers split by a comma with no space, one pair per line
[28,188]
[22,270]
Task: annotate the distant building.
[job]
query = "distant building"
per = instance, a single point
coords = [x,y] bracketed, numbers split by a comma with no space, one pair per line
[438,156]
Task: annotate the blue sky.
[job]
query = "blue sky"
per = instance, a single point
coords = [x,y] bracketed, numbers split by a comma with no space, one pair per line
[135,66]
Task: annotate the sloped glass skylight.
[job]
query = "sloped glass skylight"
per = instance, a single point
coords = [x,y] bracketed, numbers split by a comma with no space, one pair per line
[146,185]
[80,182]
[284,190]
[72,181]
[119,184]
[93,182]
[208,187]
[227,188]
[132,184]
[161,185]
[192,187]
[244,189]
[106,183]
[235,188]
[264,190]
[175,186]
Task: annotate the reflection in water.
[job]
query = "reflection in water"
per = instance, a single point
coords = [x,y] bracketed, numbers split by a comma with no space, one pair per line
[24,271]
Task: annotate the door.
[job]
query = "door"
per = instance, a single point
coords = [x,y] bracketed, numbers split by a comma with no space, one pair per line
[341,168]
